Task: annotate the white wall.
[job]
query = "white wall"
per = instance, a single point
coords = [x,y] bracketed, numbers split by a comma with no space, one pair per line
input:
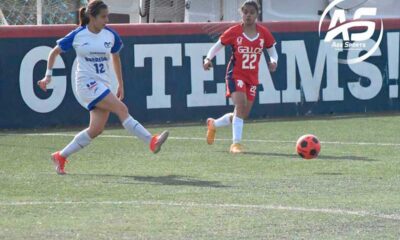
[231,10]
[167,11]
[203,11]
[130,7]
[213,10]
[385,8]
[291,10]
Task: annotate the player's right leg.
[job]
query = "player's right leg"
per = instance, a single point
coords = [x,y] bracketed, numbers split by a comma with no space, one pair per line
[98,120]
[113,104]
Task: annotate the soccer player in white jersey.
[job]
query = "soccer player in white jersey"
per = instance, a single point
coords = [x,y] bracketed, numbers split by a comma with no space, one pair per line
[96,45]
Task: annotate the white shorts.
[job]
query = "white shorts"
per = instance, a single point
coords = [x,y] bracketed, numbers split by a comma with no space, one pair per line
[92,92]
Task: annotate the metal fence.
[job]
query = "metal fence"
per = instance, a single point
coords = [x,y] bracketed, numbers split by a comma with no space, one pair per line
[37,12]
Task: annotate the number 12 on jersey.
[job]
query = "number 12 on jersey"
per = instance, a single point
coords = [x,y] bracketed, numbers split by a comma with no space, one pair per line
[99,68]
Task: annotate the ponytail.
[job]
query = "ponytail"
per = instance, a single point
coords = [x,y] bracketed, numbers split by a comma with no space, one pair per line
[83,17]
[93,9]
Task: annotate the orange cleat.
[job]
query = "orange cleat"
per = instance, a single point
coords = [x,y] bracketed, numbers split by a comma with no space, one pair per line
[157,141]
[211,131]
[236,148]
[59,162]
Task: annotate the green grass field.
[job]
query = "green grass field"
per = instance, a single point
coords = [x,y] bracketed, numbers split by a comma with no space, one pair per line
[117,189]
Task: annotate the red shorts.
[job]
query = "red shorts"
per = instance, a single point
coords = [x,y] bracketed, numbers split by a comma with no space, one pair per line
[233,85]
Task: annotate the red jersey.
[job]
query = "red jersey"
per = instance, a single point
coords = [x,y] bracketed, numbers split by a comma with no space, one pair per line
[246,52]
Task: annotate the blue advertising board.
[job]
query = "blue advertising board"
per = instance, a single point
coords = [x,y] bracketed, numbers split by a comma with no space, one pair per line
[165,81]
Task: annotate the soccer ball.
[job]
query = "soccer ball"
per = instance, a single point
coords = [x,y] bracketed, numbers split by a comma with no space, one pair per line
[308,146]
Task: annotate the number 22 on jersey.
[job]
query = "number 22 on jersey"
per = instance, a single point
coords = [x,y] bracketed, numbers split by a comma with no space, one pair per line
[249,61]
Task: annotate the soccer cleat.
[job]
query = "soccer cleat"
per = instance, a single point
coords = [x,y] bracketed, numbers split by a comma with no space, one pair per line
[236,148]
[59,162]
[211,131]
[157,141]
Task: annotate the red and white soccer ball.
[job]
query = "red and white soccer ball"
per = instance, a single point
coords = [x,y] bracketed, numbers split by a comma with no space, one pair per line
[308,146]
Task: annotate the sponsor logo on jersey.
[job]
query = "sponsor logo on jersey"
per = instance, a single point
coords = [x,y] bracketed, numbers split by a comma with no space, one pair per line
[96,59]
[249,50]
[91,85]
[240,83]
[239,40]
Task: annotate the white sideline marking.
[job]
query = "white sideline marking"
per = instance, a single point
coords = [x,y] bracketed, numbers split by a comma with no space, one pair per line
[219,139]
[210,205]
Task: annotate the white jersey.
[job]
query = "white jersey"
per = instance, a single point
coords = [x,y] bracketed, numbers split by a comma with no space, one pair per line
[93,52]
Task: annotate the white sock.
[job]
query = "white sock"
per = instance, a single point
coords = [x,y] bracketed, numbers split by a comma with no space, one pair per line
[80,141]
[136,129]
[223,121]
[237,129]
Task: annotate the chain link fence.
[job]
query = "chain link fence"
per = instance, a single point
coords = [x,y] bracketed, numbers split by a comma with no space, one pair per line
[26,12]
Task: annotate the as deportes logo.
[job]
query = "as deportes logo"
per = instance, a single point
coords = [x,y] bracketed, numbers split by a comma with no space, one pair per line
[353,41]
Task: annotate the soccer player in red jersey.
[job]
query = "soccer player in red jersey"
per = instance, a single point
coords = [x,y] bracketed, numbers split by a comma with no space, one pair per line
[248,41]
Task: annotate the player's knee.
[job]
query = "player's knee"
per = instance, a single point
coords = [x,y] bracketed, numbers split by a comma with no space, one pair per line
[241,110]
[247,112]
[241,102]
[231,116]
[244,116]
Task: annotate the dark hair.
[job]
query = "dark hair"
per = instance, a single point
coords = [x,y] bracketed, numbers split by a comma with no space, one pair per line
[253,3]
[93,9]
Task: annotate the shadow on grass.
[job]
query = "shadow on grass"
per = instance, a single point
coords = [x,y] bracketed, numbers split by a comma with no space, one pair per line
[169,180]
[177,180]
[321,157]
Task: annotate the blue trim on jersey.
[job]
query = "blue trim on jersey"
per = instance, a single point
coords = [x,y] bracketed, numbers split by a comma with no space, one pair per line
[92,105]
[229,75]
[118,44]
[65,43]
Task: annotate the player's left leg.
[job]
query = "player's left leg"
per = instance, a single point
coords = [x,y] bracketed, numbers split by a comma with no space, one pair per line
[113,104]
